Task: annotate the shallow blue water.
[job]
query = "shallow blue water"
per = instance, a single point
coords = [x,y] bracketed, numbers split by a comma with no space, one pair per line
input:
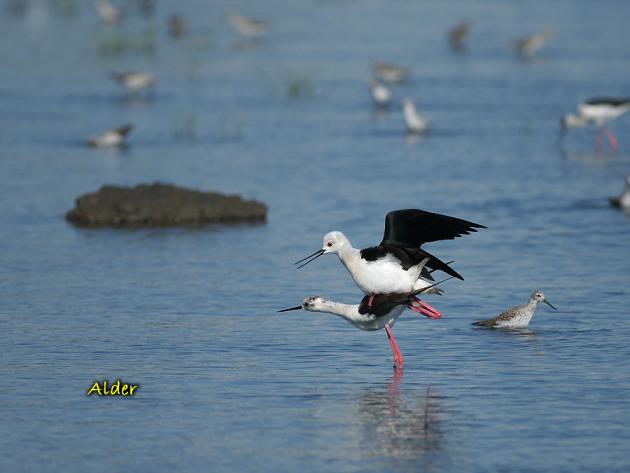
[228,384]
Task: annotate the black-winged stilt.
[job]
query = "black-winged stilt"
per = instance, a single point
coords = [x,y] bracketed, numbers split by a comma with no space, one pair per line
[396,265]
[598,111]
[516,317]
[381,312]
[111,138]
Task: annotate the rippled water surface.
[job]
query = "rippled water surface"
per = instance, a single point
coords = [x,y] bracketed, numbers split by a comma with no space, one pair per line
[228,384]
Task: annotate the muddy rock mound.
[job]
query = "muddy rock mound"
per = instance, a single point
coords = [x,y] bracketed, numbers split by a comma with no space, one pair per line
[161,205]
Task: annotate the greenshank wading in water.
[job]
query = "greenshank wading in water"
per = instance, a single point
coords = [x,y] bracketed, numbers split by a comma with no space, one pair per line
[516,317]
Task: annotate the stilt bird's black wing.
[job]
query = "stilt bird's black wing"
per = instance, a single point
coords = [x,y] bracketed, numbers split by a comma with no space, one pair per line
[412,228]
[611,101]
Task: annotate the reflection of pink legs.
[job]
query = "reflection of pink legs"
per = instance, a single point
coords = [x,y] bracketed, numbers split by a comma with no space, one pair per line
[614,145]
[598,139]
[398,358]
[370,300]
[421,307]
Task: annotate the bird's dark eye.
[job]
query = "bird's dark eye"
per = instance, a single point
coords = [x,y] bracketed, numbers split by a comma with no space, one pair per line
[330,243]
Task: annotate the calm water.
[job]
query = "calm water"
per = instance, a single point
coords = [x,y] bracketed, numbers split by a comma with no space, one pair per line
[227,384]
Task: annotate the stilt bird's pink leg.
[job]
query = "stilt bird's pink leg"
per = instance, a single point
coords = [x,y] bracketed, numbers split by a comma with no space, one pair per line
[398,358]
[421,307]
[614,145]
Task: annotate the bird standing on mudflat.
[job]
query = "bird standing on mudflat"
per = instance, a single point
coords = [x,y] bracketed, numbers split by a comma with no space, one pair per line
[516,317]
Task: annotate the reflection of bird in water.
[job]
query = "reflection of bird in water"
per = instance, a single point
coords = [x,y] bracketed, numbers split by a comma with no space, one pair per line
[458,34]
[623,200]
[400,423]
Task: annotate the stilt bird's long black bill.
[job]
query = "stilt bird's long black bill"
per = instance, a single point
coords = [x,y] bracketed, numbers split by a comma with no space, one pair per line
[309,258]
[298,307]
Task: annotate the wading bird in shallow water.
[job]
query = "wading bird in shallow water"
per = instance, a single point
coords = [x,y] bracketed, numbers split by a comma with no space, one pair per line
[390,73]
[111,138]
[623,200]
[414,121]
[134,81]
[598,111]
[248,27]
[516,317]
[380,93]
[458,34]
[383,312]
[528,46]
[396,265]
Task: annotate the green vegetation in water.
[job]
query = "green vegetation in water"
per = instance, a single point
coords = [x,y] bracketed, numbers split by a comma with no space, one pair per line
[299,86]
[120,43]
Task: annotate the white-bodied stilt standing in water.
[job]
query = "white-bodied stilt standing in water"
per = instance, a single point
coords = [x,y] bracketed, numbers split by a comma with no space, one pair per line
[528,46]
[516,317]
[380,94]
[134,81]
[598,111]
[382,312]
[248,27]
[414,121]
[396,265]
[111,138]
[623,200]
[390,73]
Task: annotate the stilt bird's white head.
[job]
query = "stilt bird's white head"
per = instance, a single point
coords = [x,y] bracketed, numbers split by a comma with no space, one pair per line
[334,242]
